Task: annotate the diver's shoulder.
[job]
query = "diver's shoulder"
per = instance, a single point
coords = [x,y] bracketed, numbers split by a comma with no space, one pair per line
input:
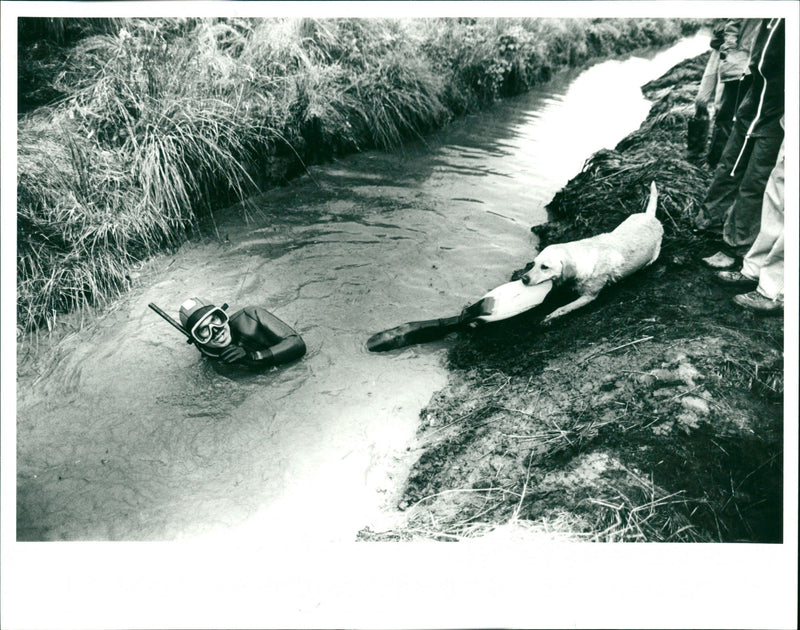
[249,312]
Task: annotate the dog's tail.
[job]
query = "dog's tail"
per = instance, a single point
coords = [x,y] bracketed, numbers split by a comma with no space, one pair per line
[651,205]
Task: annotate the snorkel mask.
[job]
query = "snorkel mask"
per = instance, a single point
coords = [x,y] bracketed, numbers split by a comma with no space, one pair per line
[201,321]
[204,330]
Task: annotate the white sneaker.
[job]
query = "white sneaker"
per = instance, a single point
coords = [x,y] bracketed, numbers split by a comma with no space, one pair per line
[719,260]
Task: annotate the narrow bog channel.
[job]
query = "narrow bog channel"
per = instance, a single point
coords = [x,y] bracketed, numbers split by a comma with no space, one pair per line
[125,433]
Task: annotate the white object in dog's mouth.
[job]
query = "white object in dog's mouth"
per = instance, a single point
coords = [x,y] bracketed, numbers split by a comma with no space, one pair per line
[513,298]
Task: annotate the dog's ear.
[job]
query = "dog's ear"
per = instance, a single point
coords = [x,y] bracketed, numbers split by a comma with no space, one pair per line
[568,268]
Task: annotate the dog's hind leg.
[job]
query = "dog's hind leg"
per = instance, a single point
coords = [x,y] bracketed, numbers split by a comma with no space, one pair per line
[655,253]
[568,308]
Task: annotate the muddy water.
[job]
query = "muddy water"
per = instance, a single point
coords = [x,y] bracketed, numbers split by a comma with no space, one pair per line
[125,433]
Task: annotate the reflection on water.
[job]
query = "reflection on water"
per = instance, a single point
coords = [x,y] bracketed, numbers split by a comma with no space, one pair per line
[129,434]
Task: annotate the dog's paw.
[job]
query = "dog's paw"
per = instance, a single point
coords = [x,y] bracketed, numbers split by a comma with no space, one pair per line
[547,321]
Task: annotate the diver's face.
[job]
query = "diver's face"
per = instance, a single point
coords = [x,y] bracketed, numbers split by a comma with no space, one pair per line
[213,331]
[220,338]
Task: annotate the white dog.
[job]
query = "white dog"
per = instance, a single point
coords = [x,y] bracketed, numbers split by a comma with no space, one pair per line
[595,262]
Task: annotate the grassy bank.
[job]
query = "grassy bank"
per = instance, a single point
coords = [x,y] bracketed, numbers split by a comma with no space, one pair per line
[133,131]
[653,414]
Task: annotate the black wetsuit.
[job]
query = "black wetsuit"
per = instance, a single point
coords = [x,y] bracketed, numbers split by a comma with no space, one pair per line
[267,340]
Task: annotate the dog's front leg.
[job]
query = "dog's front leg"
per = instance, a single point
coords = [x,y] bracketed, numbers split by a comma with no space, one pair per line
[583,300]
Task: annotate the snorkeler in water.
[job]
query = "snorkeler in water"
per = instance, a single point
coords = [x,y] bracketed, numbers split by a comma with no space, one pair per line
[252,336]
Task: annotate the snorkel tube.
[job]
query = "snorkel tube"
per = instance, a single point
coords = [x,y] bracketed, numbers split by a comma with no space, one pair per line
[172,321]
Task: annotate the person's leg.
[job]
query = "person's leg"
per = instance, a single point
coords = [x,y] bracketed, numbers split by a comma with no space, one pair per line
[744,85]
[743,221]
[771,273]
[768,296]
[723,121]
[761,253]
[766,255]
[724,187]
[770,280]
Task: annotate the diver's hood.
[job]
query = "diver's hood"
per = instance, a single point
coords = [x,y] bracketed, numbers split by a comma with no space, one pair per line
[192,311]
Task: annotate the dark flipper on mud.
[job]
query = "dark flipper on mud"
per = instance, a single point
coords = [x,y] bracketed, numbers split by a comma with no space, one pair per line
[412,333]
[500,303]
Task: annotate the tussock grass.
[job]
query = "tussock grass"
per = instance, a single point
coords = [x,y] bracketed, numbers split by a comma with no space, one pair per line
[641,512]
[487,59]
[763,379]
[133,130]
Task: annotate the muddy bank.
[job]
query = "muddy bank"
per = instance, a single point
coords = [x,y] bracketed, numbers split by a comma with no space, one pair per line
[653,414]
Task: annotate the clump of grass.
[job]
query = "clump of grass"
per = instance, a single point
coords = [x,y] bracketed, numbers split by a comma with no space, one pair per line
[124,166]
[639,511]
[488,59]
[763,379]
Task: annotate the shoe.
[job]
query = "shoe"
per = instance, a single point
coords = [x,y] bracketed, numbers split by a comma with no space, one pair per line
[757,303]
[735,278]
[719,260]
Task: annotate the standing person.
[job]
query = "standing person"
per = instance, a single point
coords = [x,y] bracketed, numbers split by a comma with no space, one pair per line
[734,75]
[732,207]
[252,336]
[762,266]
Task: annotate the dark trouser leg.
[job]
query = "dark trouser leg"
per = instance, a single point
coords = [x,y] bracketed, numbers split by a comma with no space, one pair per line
[732,94]
[744,219]
[724,186]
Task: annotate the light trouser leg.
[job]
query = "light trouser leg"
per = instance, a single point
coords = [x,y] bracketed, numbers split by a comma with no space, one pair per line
[764,261]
